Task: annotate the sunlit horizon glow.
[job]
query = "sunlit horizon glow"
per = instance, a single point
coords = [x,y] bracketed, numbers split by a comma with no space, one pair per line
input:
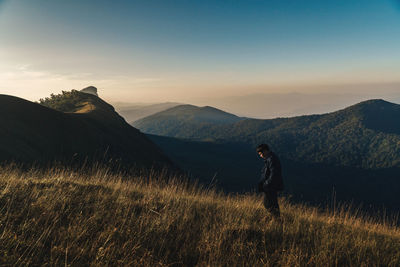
[159,51]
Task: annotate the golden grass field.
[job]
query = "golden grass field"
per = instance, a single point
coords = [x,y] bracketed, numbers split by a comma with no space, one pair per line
[66,218]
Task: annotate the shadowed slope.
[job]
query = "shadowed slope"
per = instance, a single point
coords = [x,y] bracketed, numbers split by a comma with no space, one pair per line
[92,132]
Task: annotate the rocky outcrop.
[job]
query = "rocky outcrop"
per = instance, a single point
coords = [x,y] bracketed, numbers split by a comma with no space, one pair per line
[90,90]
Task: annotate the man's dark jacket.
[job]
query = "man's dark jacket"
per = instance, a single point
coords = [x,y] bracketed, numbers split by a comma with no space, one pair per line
[271,175]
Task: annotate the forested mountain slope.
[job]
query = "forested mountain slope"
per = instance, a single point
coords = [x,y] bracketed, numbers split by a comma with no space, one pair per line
[366,135]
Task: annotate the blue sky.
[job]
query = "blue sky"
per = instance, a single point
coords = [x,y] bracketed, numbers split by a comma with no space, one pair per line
[181,50]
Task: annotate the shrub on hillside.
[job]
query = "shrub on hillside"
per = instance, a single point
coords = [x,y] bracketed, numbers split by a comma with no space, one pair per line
[67,101]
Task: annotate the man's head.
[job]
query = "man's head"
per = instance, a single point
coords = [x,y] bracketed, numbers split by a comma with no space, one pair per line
[263,150]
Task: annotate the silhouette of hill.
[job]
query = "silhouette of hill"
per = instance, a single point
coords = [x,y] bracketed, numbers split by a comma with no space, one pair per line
[73,128]
[185,120]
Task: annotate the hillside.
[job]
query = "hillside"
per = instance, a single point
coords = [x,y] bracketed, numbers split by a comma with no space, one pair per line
[79,128]
[85,105]
[185,119]
[65,218]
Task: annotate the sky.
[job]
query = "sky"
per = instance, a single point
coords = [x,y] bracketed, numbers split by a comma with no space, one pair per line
[198,51]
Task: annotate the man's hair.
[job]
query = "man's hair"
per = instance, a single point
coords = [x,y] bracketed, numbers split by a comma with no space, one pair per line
[262,148]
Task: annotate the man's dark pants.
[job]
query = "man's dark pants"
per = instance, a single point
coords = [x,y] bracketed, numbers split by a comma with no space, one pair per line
[271,202]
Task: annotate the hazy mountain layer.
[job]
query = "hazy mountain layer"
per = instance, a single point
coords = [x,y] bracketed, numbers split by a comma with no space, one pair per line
[134,112]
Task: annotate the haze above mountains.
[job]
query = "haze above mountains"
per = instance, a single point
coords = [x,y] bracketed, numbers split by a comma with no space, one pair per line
[262,106]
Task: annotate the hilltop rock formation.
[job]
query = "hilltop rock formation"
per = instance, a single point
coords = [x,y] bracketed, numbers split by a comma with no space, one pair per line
[90,90]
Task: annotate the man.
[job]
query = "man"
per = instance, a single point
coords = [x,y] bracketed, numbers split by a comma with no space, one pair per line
[271,180]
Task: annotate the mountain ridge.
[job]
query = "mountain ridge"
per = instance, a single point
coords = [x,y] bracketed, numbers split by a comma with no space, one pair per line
[200,114]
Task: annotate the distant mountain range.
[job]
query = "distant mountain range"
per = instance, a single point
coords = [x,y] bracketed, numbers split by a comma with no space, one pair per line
[365,135]
[354,152]
[72,128]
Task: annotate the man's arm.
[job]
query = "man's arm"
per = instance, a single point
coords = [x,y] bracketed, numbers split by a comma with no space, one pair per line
[271,174]
[274,179]
[261,182]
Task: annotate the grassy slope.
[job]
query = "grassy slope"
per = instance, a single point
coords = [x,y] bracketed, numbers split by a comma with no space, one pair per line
[61,217]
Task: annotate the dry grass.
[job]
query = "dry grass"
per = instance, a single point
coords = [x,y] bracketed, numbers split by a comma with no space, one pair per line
[85,108]
[65,218]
